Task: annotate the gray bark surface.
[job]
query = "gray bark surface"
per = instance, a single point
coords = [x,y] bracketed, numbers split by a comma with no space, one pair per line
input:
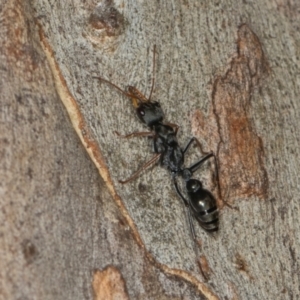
[227,74]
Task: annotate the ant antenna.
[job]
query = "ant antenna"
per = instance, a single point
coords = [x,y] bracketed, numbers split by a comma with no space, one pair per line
[112,84]
[153,72]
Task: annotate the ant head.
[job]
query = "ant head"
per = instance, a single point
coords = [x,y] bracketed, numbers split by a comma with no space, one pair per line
[193,185]
[150,113]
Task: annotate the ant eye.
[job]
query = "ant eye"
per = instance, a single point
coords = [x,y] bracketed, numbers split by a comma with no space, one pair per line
[141,112]
[194,186]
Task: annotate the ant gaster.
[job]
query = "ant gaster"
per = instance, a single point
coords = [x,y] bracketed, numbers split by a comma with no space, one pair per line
[199,202]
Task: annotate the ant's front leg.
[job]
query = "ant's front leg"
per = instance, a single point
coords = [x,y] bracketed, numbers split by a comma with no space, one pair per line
[134,134]
[152,161]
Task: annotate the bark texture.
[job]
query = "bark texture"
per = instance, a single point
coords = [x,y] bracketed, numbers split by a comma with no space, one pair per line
[227,74]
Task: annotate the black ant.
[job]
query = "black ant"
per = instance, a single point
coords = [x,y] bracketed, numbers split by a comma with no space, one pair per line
[200,202]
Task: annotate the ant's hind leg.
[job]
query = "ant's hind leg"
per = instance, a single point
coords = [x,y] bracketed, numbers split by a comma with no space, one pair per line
[188,145]
[188,210]
[199,163]
[134,134]
[189,217]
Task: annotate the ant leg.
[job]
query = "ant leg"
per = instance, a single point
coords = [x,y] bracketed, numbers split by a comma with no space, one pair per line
[188,210]
[179,193]
[198,164]
[193,139]
[217,176]
[153,73]
[145,166]
[134,134]
[189,214]
[188,145]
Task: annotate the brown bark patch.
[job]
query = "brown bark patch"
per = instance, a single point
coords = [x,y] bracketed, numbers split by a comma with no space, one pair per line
[106,18]
[241,265]
[18,48]
[29,251]
[229,130]
[204,267]
[109,284]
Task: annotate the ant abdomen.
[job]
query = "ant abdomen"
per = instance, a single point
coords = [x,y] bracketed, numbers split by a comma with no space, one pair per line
[203,204]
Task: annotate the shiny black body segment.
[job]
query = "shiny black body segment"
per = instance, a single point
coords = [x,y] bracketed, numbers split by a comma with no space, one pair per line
[201,202]
[165,142]
[203,205]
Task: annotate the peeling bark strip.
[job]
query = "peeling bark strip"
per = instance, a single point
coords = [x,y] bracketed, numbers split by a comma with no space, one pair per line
[230,132]
[109,284]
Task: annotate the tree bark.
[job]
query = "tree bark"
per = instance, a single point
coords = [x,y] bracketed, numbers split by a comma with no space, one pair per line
[227,74]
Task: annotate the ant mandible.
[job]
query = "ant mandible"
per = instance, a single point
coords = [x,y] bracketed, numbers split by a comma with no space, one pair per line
[200,202]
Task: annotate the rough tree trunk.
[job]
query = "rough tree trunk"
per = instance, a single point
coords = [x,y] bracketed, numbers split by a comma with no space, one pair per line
[225,73]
